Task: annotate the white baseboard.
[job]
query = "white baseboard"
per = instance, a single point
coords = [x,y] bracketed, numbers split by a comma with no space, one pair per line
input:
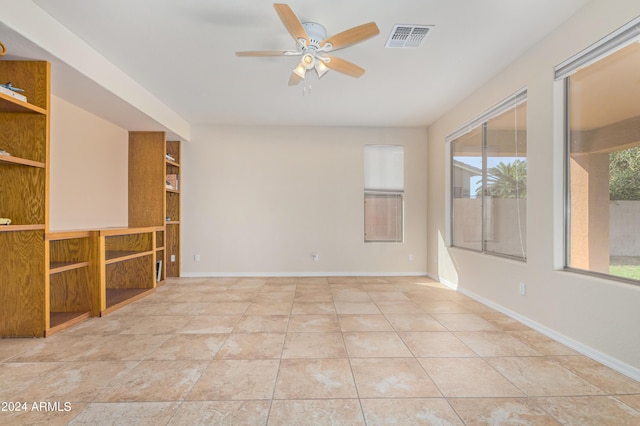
[588,351]
[299,274]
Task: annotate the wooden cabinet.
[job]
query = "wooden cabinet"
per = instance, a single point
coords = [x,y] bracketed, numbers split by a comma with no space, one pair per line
[24,193]
[152,160]
[127,265]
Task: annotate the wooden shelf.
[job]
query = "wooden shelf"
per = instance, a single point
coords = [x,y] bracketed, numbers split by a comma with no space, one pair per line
[11,160]
[122,255]
[61,320]
[174,191]
[57,267]
[11,104]
[172,163]
[116,298]
[14,228]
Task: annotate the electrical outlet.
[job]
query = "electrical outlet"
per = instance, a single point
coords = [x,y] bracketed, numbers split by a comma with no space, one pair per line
[196,258]
[523,289]
[410,257]
[173,257]
[316,257]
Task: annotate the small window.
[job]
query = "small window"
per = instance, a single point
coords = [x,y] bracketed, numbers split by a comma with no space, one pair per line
[383,193]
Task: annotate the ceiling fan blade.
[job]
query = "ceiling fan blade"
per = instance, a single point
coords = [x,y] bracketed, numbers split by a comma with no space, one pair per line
[269,53]
[344,67]
[291,22]
[352,36]
[294,79]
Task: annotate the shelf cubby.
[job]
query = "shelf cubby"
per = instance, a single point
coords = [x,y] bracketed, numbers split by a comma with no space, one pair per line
[73,278]
[127,266]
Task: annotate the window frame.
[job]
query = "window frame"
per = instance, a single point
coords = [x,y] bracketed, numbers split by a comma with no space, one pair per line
[625,35]
[513,101]
[393,190]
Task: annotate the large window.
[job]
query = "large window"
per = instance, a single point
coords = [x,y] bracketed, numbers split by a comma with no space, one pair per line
[602,118]
[383,193]
[489,181]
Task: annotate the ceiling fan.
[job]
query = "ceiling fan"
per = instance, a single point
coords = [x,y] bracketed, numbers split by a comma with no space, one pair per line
[313,45]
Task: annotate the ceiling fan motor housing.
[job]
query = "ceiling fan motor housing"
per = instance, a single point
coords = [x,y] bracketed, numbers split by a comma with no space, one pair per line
[315,32]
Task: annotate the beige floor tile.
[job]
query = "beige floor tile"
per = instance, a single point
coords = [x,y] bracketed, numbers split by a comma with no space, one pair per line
[313,296]
[275,297]
[414,322]
[388,296]
[234,296]
[18,376]
[126,413]
[252,346]
[313,323]
[350,295]
[365,308]
[446,306]
[599,375]
[262,324]
[269,308]
[427,344]
[210,324]
[313,308]
[590,410]
[221,413]
[314,345]
[468,377]
[61,415]
[364,323]
[155,381]
[392,378]
[378,344]
[501,411]
[10,348]
[464,322]
[410,411]
[153,324]
[233,379]
[539,376]
[632,401]
[491,344]
[400,308]
[335,412]
[503,322]
[189,346]
[225,308]
[315,378]
[542,344]
[77,381]
[164,308]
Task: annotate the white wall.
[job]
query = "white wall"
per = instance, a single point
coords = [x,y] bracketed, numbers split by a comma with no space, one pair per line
[262,200]
[88,176]
[597,316]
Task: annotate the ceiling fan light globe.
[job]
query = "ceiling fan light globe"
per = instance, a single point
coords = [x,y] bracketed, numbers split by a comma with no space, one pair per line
[300,70]
[321,68]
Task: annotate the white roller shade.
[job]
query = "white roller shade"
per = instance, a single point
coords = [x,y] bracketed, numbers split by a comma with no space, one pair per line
[384,168]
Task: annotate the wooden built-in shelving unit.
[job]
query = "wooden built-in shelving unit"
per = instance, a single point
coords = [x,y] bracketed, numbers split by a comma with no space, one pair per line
[24,196]
[52,280]
[172,210]
[151,203]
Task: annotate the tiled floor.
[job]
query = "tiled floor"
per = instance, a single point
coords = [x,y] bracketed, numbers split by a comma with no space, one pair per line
[307,351]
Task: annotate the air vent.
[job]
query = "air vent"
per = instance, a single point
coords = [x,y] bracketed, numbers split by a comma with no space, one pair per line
[408,36]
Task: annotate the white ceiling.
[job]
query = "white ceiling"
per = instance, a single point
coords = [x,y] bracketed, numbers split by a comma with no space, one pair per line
[183,53]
